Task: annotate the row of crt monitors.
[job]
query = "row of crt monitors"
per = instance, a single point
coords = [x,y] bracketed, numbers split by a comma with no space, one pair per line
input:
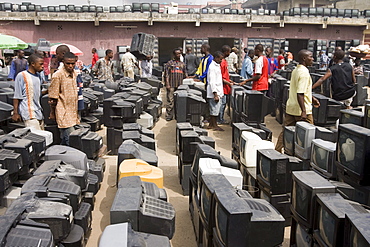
[322,216]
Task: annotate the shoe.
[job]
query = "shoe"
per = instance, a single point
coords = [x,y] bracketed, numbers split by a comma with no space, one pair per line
[168,119]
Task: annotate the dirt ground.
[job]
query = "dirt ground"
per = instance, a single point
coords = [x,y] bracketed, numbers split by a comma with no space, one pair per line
[167,161]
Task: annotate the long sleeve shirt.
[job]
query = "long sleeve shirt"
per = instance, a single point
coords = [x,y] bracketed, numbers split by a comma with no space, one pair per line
[215,84]
[247,68]
[203,68]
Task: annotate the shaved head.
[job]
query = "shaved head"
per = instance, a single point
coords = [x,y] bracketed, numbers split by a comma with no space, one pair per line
[60,51]
[305,57]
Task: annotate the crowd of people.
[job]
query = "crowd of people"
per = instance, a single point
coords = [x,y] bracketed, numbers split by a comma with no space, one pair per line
[258,67]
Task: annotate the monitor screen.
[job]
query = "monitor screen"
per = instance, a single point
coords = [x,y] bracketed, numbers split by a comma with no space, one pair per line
[264,196]
[288,140]
[302,197]
[221,222]
[356,239]
[302,237]
[320,157]
[206,197]
[264,165]
[326,226]
[350,149]
[300,136]
[242,147]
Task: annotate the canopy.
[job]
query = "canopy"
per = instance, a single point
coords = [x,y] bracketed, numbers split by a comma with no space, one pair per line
[72,48]
[11,42]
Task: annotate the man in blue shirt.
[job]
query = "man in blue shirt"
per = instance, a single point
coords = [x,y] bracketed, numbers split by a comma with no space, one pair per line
[27,92]
[18,65]
[204,63]
[247,65]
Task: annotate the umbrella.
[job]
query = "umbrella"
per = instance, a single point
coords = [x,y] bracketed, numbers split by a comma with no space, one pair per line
[11,42]
[72,48]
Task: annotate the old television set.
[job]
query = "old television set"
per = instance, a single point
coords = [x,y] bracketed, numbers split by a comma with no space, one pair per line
[128,236]
[288,141]
[351,116]
[38,142]
[67,154]
[305,186]
[254,106]
[353,152]
[245,221]
[22,146]
[304,134]
[300,236]
[237,129]
[330,211]
[180,127]
[328,112]
[249,144]
[272,170]
[323,155]
[356,230]
[325,134]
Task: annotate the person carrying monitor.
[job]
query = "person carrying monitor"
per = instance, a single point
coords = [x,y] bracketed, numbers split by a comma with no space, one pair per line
[342,80]
[299,104]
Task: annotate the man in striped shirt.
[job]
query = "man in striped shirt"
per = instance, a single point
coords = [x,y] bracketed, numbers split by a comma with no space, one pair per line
[204,63]
[174,73]
[27,93]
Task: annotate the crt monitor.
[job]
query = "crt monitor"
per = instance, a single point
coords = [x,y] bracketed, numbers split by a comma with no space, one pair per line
[245,221]
[356,230]
[67,154]
[329,217]
[249,144]
[323,155]
[306,184]
[325,134]
[304,134]
[237,129]
[272,170]
[353,152]
[288,141]
[351,116]
[254,106]
[300,236]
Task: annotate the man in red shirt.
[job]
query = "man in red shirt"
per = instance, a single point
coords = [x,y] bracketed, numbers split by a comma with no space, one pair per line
[260,77]
[281,59]
[226,83]
[95,57]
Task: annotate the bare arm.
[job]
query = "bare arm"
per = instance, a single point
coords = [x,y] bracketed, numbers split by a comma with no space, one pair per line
[353,77]
[254,78]
[16,117]
[300,97]
[322,79]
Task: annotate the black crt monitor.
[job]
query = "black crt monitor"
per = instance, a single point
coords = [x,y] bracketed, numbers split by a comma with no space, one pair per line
[10,161]
[129,237]
[330,211]
[272,171]
[5,182]
[294,164]
[254,106]
[356,230]
[325,134]
[288,141]
[67,154]
[306,184]
[351,116]
[353,152]
[180,127]
[38,142]
[195,104]
[188,138]
[328,112]
[300,236]
[245,221]
[323,155]
[237,129]
[22,146]
[209,183]
[304,134]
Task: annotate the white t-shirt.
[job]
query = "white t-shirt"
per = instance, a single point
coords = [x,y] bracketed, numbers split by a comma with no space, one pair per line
[214,78]
[258,65]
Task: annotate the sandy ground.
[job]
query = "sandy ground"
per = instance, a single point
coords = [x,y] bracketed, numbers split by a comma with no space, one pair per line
[165,137]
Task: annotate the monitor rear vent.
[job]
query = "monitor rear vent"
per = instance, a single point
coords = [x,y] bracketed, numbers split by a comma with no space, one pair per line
[257,206]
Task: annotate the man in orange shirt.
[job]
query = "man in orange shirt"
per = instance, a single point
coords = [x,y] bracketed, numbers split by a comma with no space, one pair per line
[260,77]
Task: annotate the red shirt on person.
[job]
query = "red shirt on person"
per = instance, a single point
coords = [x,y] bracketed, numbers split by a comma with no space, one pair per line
[261,67]
[94,59]
[225,76]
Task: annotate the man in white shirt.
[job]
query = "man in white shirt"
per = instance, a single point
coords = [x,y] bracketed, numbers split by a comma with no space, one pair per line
[232,60]
[128,63]
[215,90]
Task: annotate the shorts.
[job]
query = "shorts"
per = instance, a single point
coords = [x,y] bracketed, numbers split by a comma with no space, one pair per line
[348,102]
[214,107]
[34,123]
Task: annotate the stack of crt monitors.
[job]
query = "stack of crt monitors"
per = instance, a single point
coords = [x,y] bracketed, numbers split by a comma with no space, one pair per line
[328,112]
[255,107]
[187,138]
[116,136]
[86,141]
[47,217]
[278,96]
[144,209]
[189,105]
[202,151]
[361,91]
[236,101]
[6,101]
[229,217]
[142,45]
[122,233]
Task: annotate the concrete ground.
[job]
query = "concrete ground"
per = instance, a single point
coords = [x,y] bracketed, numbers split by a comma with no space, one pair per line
[165,137]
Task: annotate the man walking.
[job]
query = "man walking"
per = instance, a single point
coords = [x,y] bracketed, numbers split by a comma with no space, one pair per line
[63,98]
[215,91]
[95,57]
[18,65]
[128,63]
[299,104]
[226,83]
[174,73]
[104,67]
[27,93]
[191,62]
[342,80]
[247,65]
[260,77]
